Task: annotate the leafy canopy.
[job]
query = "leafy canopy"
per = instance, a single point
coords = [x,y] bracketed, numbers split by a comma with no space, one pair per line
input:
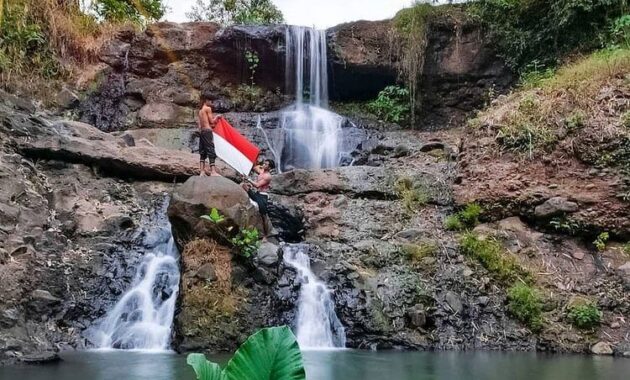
[228,12]
[270,354]
[129,10]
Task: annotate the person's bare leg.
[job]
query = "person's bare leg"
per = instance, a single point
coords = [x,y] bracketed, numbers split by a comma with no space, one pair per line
[202,168]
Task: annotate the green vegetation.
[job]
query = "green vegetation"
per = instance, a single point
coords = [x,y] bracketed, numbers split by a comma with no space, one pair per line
[564,225]
[575,121]
[252,64]
[465,219]
[247,241]
[544,32]
[140,11]
[525,303]
[412,195]
[228,12]
[391,105]
[584,315]
[416,252]
[625,120]
[270,354]
[626,248]
[491,254]
[600,242]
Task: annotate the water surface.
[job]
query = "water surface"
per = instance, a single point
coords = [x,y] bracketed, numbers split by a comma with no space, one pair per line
[341,365]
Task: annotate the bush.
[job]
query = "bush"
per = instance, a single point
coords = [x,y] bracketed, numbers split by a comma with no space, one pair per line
[525,303]
[391,105]
[626,248]
[413,196]
[247,241]
[584,315]
[491,254]
[467,218]
[620,32]
[600,242]
[139,11]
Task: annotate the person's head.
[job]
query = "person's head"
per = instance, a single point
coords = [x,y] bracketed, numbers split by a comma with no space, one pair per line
[268,165]
[206,99]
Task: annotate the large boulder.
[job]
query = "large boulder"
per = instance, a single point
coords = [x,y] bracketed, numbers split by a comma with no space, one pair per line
[198,196]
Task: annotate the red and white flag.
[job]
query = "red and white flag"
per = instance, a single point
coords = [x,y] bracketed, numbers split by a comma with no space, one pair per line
[234,148]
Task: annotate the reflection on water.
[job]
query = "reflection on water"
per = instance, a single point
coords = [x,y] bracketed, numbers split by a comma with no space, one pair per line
[342,365]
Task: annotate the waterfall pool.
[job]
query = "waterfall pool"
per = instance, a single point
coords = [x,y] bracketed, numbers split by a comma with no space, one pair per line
[342,365]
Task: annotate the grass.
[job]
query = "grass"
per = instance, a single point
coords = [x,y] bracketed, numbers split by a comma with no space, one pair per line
[465,219]
[545,107]
[491,254]
[525,303]
[413,195]
[584,315]
[416,252]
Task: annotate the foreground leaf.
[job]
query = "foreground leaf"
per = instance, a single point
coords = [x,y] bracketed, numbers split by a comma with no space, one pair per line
[270,354]
[204,369]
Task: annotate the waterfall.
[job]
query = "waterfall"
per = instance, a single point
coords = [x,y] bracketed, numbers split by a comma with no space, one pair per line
[143,317]
[312,132]
[317,324]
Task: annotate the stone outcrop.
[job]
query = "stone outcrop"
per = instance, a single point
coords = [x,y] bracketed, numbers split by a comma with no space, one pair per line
[461,68]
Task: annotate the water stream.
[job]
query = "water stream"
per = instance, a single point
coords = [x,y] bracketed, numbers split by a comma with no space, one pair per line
[143,317]
[317,325]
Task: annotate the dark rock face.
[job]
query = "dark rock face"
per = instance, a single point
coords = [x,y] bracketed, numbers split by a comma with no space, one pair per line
[461,70]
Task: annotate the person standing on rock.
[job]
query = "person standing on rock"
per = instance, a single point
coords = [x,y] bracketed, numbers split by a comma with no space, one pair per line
[207,122]
[257,190]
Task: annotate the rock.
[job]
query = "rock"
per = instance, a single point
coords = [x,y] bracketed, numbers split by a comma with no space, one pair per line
[624,269]
[197,196]
[268,254]
[78,142]
[554,207]
[66,98]
[206,272]
[9,317]
[42,301]
[417,316]
[41,357]
[409,235]
[400,151]
[454,302]
[165,114]
[578,255]
[602,348]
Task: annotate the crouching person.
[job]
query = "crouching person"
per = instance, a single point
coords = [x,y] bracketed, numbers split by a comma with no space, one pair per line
[258,191]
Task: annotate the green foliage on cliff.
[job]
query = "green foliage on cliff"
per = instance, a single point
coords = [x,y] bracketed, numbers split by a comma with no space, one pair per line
[465,219]
[391,105]
[140,11]
[584,315]
[228,12]
[270,354]
[525,303]
[543,32]
[491,254]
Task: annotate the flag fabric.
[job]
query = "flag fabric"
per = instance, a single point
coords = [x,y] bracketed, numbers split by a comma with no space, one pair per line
[234,148]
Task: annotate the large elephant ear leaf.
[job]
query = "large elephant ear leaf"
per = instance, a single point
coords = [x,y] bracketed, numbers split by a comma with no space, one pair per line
[270,354]
[205,369]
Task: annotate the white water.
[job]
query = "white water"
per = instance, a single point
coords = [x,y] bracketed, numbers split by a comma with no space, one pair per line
[318,327]
[312,132]
[143,317]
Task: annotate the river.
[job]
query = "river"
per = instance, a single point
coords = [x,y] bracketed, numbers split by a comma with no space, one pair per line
[342,365]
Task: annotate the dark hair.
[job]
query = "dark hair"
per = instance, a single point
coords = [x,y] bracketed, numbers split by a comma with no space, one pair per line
[272,164]
[206,97]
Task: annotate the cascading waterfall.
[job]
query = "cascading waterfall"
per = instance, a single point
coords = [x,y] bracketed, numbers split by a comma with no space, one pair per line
[143,317]
[318,327]
[312,132]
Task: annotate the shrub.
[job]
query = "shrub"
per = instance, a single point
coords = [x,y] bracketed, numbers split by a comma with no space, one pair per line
[584,315]
[626,248]
[139,11]
[412,195]
[600,242]
[620,32]
[576,120]
[525,303]
[391,105]
[452,223]
[625,120]
[491,254]
[247,241]
[252,64]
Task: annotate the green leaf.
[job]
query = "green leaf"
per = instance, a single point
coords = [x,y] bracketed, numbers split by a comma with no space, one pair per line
[205,369]
[206,217]
[270,354]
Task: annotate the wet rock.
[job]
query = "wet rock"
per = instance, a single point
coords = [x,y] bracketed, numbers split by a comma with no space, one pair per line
[417,316]
[409,235]
[602,348]
[42,300]
[40,358]
[554,207]
[9,317]
[268,254]
[66,98]
[624,269]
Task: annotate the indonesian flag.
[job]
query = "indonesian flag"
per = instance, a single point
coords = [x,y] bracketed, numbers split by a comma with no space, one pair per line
[234,148]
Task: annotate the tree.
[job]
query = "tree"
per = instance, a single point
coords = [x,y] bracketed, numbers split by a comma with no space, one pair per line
[130,10]
[228,12]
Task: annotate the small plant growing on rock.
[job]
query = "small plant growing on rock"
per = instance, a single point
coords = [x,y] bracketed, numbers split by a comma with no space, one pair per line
[465,219]
[416,252]
[626,248]
[625,120]
[525,303]
[600,242]
[584,315]
[214,216]
[247,241]
[411,195]
[252,61]
[564,225]
[575,121]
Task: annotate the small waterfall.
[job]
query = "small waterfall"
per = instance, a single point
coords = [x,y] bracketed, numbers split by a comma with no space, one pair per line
[143,317]
[317,324]
[312,132]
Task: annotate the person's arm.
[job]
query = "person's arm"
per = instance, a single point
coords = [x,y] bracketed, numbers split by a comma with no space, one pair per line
[263,181]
